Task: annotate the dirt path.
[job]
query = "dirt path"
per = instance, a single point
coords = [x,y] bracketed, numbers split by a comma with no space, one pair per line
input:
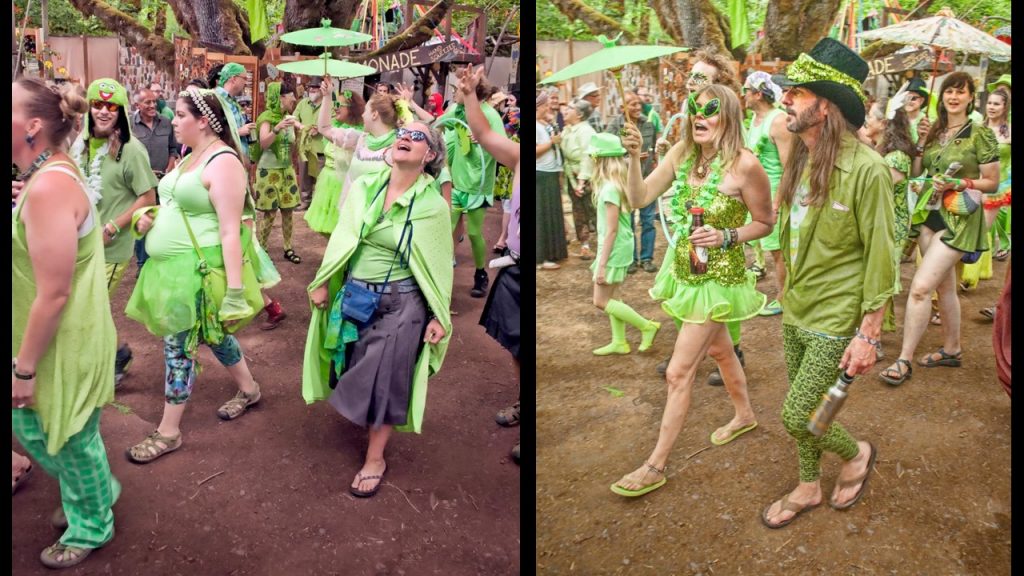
[449,505]
[938,502]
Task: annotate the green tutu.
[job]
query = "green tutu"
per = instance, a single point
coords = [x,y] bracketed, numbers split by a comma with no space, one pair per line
[699,303]
[322,215]
[612,274]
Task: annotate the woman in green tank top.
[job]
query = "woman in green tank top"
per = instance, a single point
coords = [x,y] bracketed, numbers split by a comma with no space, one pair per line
[63,337]
[202,202]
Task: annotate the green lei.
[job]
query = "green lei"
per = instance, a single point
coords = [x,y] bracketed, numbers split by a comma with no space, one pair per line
[376,143]
[702,196]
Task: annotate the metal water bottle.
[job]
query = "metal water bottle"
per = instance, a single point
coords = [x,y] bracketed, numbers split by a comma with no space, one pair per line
[935,201]
[698,254]
[831,402]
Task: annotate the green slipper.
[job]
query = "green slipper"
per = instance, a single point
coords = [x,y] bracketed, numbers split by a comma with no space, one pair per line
[734,435]
[648,336]
[649,488]
[613,348]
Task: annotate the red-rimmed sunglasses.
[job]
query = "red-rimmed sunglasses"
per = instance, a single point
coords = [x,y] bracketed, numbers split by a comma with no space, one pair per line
[110,106]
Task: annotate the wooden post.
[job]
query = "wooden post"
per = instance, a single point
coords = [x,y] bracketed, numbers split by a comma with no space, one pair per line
[85,55]
[572,83]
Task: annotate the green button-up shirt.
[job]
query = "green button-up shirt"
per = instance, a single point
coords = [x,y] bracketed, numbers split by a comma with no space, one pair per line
[846,265]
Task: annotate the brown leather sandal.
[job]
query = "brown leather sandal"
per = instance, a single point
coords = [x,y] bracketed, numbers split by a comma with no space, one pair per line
[148,450]
[58,555]
[239,404]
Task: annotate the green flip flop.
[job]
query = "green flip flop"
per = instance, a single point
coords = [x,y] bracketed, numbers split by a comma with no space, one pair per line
[649,488]
[734,435]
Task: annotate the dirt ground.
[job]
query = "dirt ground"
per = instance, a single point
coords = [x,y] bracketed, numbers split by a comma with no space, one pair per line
[268,494]
[937,503]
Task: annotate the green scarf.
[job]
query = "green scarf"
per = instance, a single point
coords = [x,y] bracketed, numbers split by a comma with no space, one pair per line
[431,265]
[273,114]
[375,143]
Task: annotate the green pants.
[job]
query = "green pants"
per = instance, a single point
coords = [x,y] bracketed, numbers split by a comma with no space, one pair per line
[87,489]
[812,363]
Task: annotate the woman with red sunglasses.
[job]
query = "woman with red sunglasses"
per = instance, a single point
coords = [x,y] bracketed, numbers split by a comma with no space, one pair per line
[709,169]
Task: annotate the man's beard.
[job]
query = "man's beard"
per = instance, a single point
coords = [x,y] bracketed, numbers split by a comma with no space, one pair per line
[100,132]
[314,98]
[807,119]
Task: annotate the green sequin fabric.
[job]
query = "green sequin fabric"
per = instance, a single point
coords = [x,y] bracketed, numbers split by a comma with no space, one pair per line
[806,69]
[726,267]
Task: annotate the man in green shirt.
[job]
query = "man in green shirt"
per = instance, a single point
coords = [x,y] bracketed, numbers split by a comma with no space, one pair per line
[838,243]
[118,174]
[311,143]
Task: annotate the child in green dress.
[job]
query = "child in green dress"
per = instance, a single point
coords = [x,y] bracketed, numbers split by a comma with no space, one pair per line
[615,244]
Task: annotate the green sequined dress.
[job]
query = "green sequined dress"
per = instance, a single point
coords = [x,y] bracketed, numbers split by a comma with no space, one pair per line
[727,292]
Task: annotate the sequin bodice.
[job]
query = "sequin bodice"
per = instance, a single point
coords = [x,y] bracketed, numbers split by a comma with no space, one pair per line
[726,267]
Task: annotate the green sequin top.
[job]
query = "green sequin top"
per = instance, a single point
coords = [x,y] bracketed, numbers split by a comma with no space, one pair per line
[726,267]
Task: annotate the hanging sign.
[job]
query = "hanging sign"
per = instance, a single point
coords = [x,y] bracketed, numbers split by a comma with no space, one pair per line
[421,56]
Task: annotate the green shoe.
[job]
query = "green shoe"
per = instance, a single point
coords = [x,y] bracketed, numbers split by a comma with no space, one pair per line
[648,336]
[613,348]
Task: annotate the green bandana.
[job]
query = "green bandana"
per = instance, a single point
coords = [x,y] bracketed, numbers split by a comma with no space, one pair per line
[273,114]
[806,69]
[229,71]
[375,143]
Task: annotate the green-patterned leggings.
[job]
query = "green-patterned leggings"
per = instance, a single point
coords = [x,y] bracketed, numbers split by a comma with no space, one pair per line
[87,489]
[812,362]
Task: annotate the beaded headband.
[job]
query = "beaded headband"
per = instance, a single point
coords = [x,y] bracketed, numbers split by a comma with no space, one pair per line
[199,99]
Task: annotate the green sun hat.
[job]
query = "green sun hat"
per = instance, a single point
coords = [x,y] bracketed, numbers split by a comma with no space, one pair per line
[833,71]
[605,145]
[1004,79]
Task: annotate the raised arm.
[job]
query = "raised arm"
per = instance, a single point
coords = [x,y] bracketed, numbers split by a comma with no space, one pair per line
[504,150]
[341,137]
[640,191]
[405,92]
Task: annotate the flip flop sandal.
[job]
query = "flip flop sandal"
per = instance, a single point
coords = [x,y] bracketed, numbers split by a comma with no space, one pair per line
[508,417]
[989,313]
[292,256]
[25,475]
[936,320]
[788,507]
[60,556]
[146,451]
[368,493]
[862,480]
[736,434]
[1001,255]
[900,377]
[649,488]
[951,360]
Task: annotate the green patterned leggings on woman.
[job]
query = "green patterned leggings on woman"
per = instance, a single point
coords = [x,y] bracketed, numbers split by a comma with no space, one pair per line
[812,363]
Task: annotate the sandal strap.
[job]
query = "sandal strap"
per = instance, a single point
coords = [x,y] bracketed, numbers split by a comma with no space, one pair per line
[654,468]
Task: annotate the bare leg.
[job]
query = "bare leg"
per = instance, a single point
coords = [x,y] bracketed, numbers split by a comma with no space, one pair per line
[936,270]
[170,424]
[19,464]
[242,376]
[735,384]
[780,273]
[374,465]
[691,347]
[604,293]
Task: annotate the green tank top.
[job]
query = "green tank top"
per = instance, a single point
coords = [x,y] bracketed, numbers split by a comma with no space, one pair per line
[759,142]
[183,192]
[75,375]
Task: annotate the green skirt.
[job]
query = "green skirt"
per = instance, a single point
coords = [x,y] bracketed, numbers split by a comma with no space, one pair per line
[965,233]
[612,274]
[699,303]
[322,215]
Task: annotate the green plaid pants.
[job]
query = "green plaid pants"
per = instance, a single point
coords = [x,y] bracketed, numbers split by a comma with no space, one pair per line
[87,488]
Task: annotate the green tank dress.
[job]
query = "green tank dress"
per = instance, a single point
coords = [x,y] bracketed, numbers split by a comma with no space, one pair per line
[759,141]
[75,376]
[727,292]
[622,250]
[322,215]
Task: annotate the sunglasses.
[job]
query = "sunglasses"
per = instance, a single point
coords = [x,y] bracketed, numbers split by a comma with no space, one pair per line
[698,78]
[414,135]
[711,107]
[110,106]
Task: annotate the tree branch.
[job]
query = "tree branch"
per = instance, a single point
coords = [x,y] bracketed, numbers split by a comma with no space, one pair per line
[597,22]
[417,33]
[153,47]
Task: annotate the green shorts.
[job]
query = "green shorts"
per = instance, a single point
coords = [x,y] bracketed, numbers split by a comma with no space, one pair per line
[466,201]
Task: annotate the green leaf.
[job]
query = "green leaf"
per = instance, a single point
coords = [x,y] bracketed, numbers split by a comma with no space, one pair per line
[615,392]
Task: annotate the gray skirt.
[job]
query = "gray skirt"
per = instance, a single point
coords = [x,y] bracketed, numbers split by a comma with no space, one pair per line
[374,390]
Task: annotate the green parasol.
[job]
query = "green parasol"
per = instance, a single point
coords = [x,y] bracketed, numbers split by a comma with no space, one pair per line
[611,58]
[325,36]
[335,68]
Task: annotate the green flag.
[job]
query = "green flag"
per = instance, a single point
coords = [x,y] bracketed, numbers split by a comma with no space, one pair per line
[738,22]
[258,29]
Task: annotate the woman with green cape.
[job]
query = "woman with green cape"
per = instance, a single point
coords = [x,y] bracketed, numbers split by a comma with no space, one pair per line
[393,240]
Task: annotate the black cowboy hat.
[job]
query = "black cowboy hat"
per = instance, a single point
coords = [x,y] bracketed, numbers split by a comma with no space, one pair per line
[833,71]
[917,86]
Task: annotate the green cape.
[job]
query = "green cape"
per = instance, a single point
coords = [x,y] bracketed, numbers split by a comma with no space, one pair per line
[431,264]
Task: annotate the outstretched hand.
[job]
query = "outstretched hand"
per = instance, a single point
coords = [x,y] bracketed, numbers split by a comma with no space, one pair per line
[405,91]
[469,79]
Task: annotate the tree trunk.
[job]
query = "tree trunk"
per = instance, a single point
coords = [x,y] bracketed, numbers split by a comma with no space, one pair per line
[153,47]
[161,21]
[417,33]
[597,22]
[302,14]
[795,26]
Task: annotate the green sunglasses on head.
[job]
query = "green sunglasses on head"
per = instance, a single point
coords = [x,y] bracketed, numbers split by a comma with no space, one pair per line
[711,107]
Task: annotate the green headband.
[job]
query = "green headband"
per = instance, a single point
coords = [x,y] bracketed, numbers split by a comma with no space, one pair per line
[229,71]
[348,96]
[806,69]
